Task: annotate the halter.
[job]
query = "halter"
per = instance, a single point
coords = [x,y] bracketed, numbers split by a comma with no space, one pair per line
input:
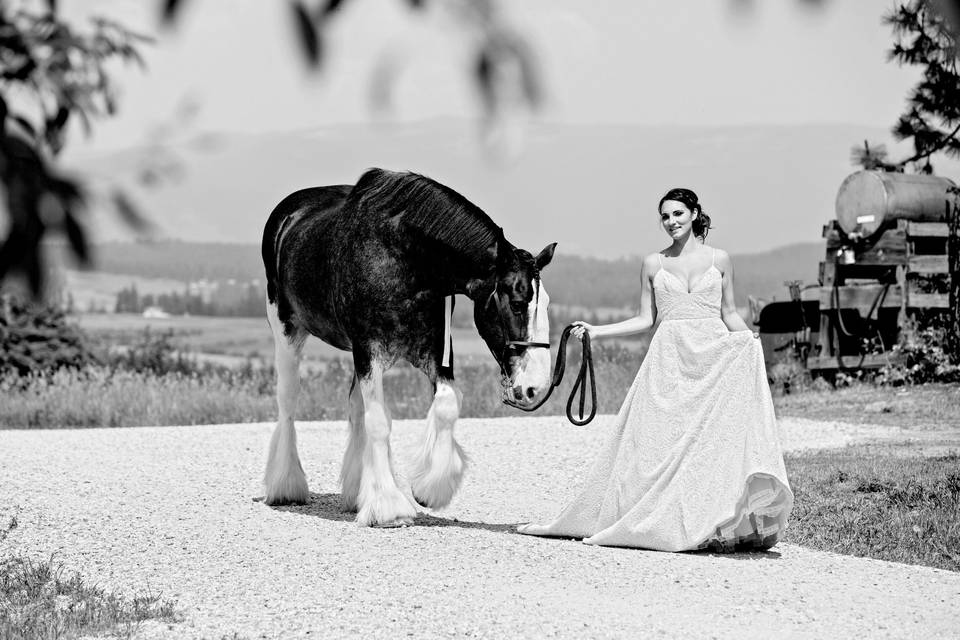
[516,344]
[586,364]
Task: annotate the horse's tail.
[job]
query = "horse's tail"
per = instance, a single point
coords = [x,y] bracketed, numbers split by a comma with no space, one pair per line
[283,219]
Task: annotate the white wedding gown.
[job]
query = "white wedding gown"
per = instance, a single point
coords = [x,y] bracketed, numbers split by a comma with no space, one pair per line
[693,460]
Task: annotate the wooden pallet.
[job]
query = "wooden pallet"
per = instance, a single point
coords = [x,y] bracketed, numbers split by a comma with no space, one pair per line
[885,273]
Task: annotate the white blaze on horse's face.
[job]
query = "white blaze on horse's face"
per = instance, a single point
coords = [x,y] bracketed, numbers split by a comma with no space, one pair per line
[533,373]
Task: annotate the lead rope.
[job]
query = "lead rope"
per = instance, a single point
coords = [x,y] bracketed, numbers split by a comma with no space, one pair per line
[586,369]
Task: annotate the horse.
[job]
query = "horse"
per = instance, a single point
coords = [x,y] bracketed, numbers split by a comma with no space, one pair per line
[372,269]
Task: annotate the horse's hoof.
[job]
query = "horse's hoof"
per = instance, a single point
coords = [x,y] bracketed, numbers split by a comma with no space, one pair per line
[283,502]
[393,524]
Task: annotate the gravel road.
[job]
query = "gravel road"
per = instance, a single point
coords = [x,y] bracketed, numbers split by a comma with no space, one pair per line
[173,509]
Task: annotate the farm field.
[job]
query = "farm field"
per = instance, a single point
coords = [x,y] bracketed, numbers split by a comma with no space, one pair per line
[243,337]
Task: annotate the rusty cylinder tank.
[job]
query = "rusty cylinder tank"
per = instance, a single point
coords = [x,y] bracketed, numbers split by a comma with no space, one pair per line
[869,199]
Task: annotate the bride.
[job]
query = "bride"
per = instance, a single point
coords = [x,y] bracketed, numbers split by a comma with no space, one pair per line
[693,460]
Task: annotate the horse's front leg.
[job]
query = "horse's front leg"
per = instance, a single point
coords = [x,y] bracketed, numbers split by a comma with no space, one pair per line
[440,465]
[380,502]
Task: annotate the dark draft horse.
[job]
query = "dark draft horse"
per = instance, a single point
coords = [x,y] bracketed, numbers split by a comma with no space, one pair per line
[372,269]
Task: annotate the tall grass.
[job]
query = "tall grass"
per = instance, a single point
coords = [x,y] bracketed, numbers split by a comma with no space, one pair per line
[115,396]
[38,600]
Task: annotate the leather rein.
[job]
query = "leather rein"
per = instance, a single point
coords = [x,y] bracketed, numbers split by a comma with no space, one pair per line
[586,370]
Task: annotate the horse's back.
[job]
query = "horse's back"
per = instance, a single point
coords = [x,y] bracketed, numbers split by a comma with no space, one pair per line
[305,204]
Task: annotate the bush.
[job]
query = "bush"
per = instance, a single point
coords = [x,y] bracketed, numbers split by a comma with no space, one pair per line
[38,339]
[922,356]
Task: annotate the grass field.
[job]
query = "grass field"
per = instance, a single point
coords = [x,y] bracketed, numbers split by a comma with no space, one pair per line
[247,337]
[930,406]
[885,502]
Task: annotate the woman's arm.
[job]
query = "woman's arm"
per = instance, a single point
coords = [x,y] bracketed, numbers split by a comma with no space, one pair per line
[728,308]
[641,322]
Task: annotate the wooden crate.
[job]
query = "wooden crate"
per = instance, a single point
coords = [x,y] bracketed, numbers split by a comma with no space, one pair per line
[886,273]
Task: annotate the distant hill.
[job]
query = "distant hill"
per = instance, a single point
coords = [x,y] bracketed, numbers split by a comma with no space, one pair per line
[571,280]
[592,188]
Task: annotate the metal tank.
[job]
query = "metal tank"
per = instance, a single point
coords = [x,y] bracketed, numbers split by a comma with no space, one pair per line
[867,200]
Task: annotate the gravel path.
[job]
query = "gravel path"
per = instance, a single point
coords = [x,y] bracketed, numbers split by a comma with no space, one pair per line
[172,509]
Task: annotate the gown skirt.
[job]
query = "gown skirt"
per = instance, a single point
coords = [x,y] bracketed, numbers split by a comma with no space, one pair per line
[693,458]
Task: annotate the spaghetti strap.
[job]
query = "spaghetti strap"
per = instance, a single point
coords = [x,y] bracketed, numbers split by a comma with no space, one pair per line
[660,258]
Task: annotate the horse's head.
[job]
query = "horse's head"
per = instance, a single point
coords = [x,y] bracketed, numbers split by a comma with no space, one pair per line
[513,314]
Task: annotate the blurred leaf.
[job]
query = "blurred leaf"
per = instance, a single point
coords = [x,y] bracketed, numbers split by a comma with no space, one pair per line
[52,6]
[129,212]
[483,71]
[331,7]
[77,237]
[529,74]
[171,9]
[309,38]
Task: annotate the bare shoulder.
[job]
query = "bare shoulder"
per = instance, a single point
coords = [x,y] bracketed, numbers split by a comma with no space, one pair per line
[722,259]
[651,263]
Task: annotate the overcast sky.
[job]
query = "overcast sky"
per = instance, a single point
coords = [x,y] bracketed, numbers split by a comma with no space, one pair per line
[684,62]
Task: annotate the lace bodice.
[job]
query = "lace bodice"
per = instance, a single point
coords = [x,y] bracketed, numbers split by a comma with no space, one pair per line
[675,302]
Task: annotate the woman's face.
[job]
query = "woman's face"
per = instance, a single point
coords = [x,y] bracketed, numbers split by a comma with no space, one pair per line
[676,218]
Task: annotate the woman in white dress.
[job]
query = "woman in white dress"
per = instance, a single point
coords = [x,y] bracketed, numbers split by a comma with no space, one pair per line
[693,460]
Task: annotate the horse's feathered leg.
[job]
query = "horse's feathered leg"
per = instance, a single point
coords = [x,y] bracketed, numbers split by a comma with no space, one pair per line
[284,478]
[352,468]
[441,462]
[380,501]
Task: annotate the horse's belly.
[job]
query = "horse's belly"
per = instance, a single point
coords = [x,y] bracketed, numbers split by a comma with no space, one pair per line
[333,338]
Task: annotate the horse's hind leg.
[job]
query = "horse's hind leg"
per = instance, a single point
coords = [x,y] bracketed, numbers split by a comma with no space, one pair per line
[380,502]
[284,478]
[352,468]
[440,465]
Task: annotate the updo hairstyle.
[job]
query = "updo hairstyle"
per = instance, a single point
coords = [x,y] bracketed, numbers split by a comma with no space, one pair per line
[701,224]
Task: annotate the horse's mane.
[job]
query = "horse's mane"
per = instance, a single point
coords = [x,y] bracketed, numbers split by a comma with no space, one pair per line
[429,208]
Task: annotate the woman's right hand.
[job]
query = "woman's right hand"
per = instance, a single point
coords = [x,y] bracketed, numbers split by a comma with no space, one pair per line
[580,327]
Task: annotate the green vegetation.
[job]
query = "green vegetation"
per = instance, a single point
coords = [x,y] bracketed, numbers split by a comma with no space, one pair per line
[37,600]
[161,388]
[38,339]
[886,503]
[929,406]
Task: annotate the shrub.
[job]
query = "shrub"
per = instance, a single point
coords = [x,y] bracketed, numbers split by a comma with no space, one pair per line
[37,338]
[922,356]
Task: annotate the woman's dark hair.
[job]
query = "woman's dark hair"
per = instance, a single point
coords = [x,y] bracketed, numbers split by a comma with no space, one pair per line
[701,224]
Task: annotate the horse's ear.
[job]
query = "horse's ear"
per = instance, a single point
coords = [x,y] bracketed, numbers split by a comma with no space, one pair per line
[545,256]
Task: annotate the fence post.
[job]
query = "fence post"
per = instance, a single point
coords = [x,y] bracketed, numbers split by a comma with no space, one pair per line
[953,260]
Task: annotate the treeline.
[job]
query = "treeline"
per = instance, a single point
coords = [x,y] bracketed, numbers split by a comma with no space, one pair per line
[571,280]
[247,301]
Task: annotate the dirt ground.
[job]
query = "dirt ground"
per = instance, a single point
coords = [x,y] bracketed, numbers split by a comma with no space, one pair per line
[174,510]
